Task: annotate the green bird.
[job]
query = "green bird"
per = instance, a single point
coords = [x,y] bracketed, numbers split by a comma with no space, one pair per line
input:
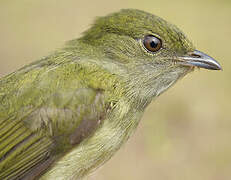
[65,115]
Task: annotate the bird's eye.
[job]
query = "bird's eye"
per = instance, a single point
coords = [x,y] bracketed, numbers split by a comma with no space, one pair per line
[152,43]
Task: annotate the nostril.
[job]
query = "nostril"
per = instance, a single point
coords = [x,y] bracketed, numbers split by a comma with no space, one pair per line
[193,54]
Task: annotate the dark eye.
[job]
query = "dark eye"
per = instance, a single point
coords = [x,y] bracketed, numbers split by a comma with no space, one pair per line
[152,43]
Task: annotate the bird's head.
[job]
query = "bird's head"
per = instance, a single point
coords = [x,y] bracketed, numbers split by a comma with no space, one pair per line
[155,52]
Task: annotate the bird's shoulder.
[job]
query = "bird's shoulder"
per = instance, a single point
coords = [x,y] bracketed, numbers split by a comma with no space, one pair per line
[46,109]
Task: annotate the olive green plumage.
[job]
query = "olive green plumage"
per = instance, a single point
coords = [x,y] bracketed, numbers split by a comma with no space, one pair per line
[65,115]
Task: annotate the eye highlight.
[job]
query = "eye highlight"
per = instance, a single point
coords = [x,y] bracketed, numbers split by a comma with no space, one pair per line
[152,43]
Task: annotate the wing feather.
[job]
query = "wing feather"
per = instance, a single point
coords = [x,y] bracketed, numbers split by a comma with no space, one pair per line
[35,134]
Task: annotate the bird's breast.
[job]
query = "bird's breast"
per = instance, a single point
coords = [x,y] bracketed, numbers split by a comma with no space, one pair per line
[91,153]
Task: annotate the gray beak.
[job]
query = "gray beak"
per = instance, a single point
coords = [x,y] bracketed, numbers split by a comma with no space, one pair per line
[199,59]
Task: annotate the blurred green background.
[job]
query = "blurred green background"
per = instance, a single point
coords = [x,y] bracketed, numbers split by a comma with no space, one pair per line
[186,133]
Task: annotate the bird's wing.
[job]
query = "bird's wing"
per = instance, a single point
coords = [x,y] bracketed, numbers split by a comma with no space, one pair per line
[42,115]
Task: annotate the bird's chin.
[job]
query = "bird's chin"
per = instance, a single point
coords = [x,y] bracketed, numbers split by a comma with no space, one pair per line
[187,69]
[192,68]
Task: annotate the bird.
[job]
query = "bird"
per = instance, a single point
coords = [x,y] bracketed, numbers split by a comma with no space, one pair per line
[65,115]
